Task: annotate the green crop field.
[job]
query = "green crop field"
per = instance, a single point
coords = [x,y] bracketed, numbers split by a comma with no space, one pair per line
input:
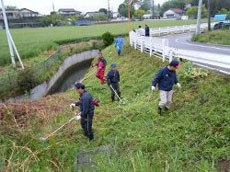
[31,42]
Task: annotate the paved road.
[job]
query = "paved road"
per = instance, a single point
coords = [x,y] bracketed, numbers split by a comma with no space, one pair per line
[183,41]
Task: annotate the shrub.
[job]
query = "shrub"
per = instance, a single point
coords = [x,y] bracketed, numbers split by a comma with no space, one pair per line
[189,72]
[108,38]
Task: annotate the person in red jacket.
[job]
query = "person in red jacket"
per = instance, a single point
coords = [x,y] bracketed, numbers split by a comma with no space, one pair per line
[101,66]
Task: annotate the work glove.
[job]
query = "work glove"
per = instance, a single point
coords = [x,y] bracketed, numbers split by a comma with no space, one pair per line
[72,106]
[153,88]
[178,85]
[78,118]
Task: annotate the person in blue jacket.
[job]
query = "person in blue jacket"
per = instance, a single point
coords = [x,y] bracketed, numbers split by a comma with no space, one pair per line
[87,110]
[147,30]
[119,44]
[166,78]
[113,79]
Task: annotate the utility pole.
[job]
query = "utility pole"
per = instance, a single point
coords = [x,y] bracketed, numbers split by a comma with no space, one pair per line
[152,7]
[53,7]
[199,17]
[7,35]
[108,12]
[12,46]
[129,12]
[209,15]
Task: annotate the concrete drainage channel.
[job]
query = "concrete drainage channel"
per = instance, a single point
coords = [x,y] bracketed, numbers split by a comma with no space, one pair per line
[73,69]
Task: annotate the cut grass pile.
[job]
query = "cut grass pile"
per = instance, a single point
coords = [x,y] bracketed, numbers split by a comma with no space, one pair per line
[193,136]
[221,37]
[31,42]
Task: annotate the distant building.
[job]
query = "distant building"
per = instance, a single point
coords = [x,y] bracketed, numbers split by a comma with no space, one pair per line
[173,13]
[68,12]
[93,14]
[115,15]
[147,16]
[19,13]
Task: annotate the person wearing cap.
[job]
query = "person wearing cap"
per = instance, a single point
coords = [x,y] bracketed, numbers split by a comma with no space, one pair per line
[87,110]
[166,78]
[101,67]
[113,79]
[119,44]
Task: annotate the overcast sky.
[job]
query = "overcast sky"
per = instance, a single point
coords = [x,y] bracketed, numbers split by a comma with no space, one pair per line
[45,6]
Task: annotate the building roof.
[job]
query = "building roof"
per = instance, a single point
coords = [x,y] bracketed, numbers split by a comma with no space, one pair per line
[68,10]
[177,10]
[94,13]
[19,10]
[29,10]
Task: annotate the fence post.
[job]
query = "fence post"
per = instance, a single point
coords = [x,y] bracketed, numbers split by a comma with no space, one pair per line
[163,50]
[151,48]
[159,31]
[171,55]
[135,42]
[142,45]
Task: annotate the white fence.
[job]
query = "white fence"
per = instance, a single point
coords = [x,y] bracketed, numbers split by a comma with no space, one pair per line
[160,48]
[174,29]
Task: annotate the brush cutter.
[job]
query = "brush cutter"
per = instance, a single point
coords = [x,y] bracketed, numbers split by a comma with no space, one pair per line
[116,93]
[86,77]
[78,117]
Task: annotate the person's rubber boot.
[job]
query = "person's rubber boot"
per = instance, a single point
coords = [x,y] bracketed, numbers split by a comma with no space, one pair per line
[85,133]
[166,109]
[91,136]
[113,99]
[159,110]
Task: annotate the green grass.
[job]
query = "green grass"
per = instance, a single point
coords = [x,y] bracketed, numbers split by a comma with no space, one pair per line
[221,37]
[31,42]
[193,136]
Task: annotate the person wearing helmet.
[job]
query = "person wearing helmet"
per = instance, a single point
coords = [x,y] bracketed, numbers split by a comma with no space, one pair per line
[113,79]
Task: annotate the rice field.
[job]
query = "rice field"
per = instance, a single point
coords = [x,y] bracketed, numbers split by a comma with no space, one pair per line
[32,41]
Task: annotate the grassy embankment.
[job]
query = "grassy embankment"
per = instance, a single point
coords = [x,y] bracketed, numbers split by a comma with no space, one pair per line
[193,136]
[31,42]
[221,37]
[39,69]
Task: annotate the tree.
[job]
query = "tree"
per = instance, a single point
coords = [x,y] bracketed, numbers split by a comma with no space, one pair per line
[216,5]
[10,7]
[103,10]
[172,4]
[123,10]
[192,12]
[101,17]
[53,19]
[225,11]
[139,13]
[146,5]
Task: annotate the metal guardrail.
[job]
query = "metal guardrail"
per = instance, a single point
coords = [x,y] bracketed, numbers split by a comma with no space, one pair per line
[160,47]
